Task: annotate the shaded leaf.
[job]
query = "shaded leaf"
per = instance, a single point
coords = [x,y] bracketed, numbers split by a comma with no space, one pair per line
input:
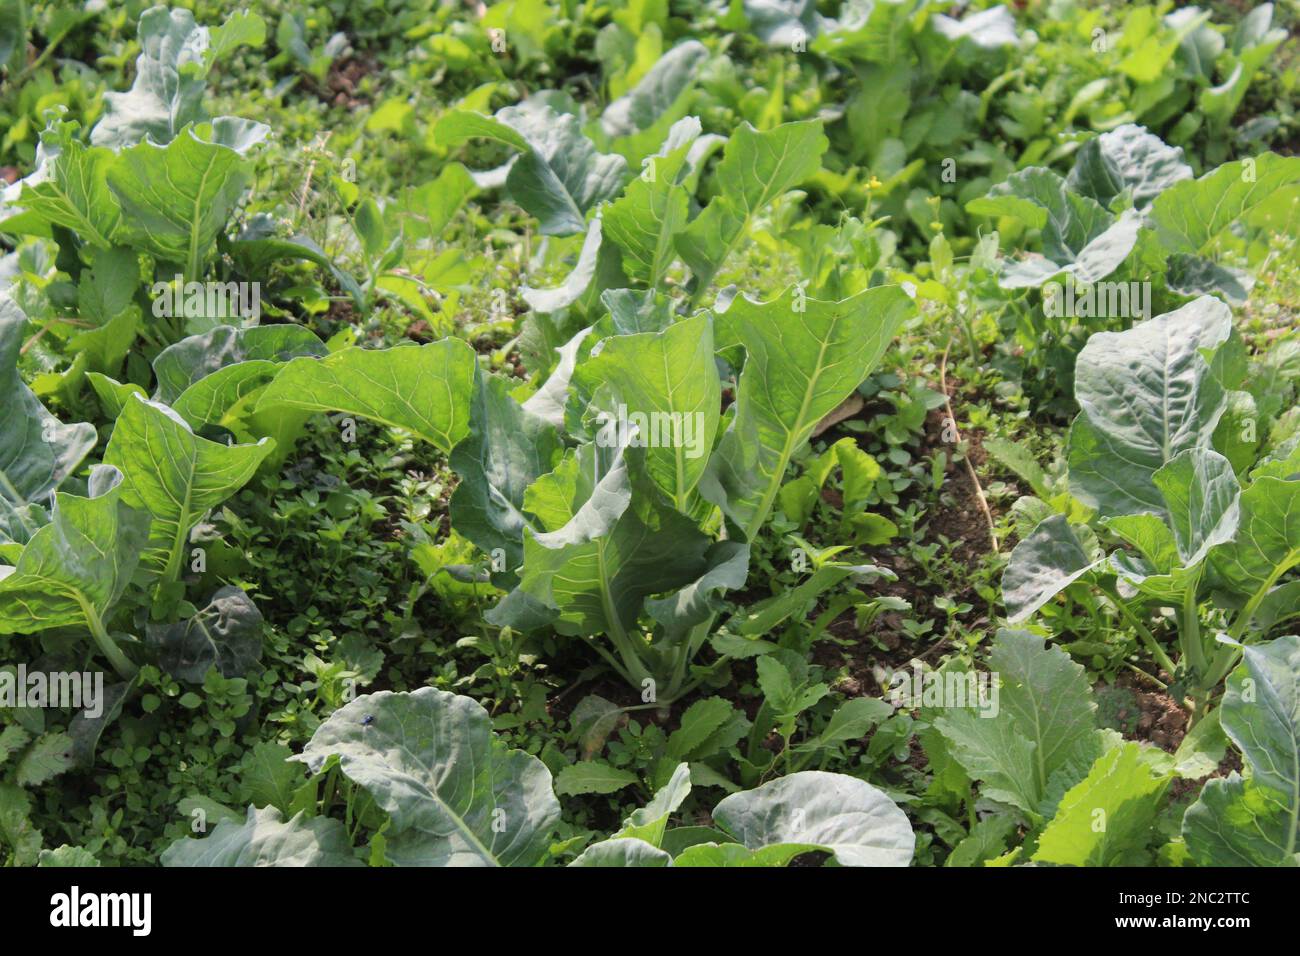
[227,635]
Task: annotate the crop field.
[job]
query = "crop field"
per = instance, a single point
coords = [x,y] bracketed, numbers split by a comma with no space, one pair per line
[653,433]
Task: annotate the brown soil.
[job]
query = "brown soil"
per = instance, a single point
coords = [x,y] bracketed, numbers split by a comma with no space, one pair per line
[344,79]
[1154,716]
[420,331]
[962,522]
[484,345]
[1231,763]
[561,704]
[341,311]
[860,654]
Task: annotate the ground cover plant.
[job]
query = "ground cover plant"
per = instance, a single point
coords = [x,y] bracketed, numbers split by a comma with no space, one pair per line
[664,434]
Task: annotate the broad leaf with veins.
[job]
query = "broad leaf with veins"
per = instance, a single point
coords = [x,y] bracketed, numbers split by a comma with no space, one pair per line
[174,474]
[1127,158]
[1267,543]
[1123,790]
[424,389]
[37,451]
[1255,821]
[170,75]
[638,120]
[265,838]
[558,175]
[756,168]
[669,377]
[1043,565]
[507,450]
[802,358]
[75,568]
[227,635]
[610,544]
[1201,497]
[1147,395]
[644,220]
[177,198]
[70,187]
[622,852]
[455,796]
[804,812]
[1043,737]
[1192,215]
[180,366]
[1080,238]
[855,822]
